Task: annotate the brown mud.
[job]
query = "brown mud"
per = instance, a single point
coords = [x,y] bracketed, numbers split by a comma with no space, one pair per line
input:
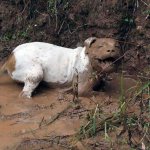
[45,121]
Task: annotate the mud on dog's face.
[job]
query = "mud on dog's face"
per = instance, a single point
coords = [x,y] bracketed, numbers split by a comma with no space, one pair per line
[102,52]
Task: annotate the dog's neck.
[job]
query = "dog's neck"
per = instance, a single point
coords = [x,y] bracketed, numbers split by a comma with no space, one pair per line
[96,71]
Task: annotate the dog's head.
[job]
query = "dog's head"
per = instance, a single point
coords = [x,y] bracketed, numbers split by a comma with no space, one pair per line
[103,52]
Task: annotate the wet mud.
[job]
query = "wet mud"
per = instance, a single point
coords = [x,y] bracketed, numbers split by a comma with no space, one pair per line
[26,124]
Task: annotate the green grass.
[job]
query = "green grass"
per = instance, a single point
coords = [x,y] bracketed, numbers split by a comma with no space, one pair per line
[97,121]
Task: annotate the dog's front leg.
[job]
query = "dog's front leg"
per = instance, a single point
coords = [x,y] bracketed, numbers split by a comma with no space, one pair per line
[62,92]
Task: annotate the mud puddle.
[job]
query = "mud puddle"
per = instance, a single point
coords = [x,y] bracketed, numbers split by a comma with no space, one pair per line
[45,116]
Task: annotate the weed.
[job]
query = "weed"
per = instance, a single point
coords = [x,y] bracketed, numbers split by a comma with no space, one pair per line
[23,34]
[7,36]
[90,128]
[97,122]
[122,102]
[51,6]
[132,121]
[13,35]
[147,12]
[142,90]
[128,20]
[106,133]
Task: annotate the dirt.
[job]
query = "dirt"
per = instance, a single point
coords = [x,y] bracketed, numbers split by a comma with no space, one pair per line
[24,123]
[19,116]
[45,122]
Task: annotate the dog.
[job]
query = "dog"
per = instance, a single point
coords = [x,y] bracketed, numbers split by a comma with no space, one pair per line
[31,63]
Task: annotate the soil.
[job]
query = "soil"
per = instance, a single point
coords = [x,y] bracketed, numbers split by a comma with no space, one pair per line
[45,121]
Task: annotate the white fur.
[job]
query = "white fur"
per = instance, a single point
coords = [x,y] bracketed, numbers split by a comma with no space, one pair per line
[51,63]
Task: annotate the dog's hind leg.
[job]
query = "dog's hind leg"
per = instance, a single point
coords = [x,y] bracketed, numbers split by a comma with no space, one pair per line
[28,89]
[31,82]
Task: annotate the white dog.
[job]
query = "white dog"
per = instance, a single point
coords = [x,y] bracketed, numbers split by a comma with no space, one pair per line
[34,62]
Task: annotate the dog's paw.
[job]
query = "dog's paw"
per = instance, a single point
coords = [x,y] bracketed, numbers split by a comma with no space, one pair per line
[25,95]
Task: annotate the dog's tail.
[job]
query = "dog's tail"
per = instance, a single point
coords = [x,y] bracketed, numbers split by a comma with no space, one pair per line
[3,69]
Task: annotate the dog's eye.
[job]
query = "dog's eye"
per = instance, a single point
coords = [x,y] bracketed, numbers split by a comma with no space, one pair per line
[100,46]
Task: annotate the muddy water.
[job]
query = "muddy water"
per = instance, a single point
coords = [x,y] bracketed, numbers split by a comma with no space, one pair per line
[18,117]
[22,119]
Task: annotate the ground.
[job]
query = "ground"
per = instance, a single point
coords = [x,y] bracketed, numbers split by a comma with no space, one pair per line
[45,122]
[117,118]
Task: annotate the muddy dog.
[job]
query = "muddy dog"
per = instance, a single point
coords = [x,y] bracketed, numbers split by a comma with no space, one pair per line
[34,62]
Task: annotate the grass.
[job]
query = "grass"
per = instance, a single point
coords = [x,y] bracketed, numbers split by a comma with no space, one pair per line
[98,122]
[8,36]
[122,100]
[90,128]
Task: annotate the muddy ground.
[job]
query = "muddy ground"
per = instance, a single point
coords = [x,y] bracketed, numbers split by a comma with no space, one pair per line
[117,118]
[46,122]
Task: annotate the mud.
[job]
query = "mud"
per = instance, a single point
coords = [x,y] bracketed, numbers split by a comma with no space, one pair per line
[30,122]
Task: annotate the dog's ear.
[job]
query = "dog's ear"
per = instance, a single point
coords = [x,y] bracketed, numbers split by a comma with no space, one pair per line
[88,42]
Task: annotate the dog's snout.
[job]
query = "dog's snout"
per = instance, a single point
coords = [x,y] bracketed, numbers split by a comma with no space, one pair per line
[111,51]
